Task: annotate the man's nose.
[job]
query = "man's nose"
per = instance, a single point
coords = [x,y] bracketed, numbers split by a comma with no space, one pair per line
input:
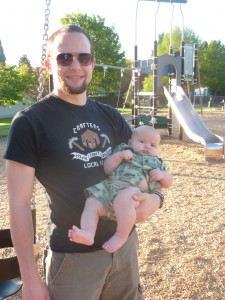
[75,63]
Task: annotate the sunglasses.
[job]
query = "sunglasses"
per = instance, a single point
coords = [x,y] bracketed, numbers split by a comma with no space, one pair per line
[66,59]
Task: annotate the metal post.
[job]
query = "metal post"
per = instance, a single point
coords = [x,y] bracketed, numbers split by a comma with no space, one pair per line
[155,75]
[181,131]
[195,72]
[135,89]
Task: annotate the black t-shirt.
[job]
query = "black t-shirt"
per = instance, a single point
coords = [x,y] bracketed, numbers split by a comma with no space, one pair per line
[67,144]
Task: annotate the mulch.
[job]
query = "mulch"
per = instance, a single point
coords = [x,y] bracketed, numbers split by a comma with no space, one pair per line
[181,247]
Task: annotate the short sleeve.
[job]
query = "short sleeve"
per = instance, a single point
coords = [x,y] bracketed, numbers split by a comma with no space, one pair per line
[22,143]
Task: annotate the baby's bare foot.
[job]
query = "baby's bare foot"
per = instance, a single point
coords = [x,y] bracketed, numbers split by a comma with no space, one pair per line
[114,243]
[80,236]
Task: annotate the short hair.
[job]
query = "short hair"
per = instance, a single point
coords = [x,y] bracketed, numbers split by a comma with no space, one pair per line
[147,128]
[66,29]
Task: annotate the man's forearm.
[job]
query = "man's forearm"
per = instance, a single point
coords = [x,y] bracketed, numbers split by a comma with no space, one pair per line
[22,232]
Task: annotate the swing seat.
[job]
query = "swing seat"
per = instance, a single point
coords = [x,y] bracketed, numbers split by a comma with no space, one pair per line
[10,287]
[161,122]
[10,278]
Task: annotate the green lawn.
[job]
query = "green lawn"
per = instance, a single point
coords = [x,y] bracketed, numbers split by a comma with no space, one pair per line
[4,126]
[127,111]
[5,122]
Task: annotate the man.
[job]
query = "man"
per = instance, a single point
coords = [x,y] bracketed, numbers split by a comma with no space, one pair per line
[63,141]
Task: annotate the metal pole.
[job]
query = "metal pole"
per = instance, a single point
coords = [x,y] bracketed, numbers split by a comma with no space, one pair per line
[155,75]
[135,94]
[135,76]
[181,131]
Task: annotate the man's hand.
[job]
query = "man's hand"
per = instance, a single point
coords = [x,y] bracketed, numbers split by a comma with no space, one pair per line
[149,203]
[35,291]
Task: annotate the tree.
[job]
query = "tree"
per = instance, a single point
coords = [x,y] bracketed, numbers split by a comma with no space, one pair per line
[29,80]
[212,66]
[24,61]
[10,88]
[148,83]
[164,40]
[163,48]
[107,50]
[2,55]
[16,83]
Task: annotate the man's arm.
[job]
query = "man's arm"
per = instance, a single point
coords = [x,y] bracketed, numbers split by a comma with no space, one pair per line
[20,180]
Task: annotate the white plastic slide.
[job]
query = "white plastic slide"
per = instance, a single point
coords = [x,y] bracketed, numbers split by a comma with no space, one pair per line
[192,124]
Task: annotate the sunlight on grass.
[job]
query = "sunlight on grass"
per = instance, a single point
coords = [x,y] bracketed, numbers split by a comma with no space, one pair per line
[5,126]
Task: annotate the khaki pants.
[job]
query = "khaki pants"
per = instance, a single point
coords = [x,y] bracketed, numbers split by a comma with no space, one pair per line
[97,275]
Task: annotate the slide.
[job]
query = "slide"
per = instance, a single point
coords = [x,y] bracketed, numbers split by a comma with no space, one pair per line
[192,123]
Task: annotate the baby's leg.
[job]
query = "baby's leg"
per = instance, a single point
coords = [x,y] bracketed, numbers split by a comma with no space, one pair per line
[124,207]
[93,209]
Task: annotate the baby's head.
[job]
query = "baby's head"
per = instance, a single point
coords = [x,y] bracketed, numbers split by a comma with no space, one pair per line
[145,140]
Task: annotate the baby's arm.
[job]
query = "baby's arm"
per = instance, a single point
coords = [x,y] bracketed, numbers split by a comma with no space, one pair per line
[114,160]
[163,177]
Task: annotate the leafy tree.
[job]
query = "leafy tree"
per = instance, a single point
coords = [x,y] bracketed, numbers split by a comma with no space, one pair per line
[164,48]
[29,80]
[107,50]
[212,66]
[2,55]
[148,83]
[164,40]
[15,83]
[24,61]
[10,88]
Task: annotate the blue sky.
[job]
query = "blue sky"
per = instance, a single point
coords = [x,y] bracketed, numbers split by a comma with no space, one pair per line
[22,22]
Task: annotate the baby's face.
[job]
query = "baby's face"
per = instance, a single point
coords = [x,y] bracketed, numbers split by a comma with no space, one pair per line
[146,144]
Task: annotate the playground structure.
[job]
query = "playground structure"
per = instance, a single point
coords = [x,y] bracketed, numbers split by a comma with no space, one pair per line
[192,123]
[180,68]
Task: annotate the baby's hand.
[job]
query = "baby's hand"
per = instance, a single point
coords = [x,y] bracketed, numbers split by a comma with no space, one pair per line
[156,175]
[126,155]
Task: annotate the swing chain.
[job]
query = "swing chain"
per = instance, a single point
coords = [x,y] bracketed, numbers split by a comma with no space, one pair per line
[41,78]
[33,194]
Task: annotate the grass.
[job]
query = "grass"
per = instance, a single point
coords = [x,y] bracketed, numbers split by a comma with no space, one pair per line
[5,122]
[127,111]
[5,126]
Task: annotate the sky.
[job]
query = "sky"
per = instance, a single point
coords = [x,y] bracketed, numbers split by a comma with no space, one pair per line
[22,23]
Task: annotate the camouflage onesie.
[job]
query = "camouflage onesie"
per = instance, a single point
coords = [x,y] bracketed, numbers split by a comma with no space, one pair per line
[130,172]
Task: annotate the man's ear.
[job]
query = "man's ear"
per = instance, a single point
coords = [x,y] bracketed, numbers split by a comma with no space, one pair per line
[93,64]
[129,142]
[47,65]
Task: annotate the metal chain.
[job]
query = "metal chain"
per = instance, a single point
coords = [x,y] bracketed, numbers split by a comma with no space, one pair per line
[41,78]
[34,194]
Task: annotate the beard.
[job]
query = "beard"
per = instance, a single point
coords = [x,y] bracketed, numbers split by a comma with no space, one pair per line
[74,90]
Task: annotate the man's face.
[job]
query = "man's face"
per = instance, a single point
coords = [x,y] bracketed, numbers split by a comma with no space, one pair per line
[72,79]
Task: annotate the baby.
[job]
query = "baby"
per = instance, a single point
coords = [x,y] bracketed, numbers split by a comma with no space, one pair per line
[132,169]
